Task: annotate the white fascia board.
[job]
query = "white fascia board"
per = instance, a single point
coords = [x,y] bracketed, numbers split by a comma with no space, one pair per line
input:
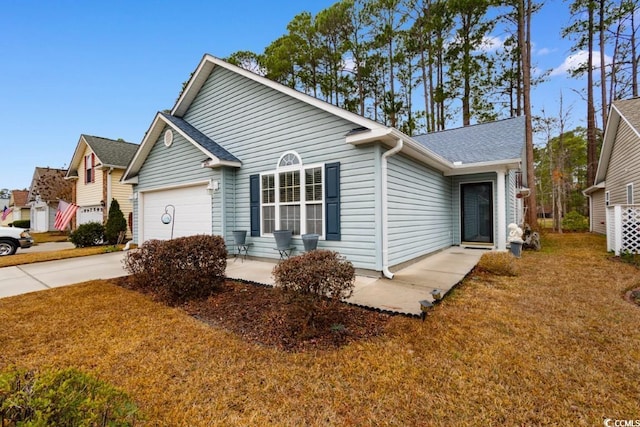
[133,180]
[143,150]
[610,131]
[413,149]
[593,188]
[209,62]
[77,156]
[214,160]
[481,167]
[216,163]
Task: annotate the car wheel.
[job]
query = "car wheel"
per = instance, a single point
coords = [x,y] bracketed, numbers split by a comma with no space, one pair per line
[7,247]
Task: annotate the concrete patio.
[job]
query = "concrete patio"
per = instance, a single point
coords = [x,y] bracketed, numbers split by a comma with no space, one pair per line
[442,270]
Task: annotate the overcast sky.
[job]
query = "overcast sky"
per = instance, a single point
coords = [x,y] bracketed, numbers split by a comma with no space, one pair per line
[105,68]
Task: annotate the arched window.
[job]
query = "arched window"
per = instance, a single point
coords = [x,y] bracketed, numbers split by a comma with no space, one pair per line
[291,197]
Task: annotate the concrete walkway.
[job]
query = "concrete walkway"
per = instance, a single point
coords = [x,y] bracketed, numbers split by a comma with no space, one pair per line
[410,285]
[442,270]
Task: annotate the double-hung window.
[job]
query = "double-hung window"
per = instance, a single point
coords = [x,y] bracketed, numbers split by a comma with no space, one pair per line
[291,197]
[89,168]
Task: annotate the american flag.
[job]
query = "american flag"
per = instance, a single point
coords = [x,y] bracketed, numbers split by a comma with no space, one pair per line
[5,212]
[64,214]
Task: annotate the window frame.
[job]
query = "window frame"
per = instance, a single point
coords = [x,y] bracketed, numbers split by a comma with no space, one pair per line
[301,169]
[629,195]
[607,198]
[89,169]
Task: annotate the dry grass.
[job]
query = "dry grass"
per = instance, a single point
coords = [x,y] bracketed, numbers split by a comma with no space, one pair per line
[29,258]
[556,345]
[50,236]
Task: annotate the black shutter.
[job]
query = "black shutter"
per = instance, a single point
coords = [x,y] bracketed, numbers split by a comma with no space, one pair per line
[254,204]
[332,200]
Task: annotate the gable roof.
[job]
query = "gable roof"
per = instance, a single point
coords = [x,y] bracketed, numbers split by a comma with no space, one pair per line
[622,110]
[365,130]
[216,155]
[110,153]
[486,142]
[49,184]
[19,198]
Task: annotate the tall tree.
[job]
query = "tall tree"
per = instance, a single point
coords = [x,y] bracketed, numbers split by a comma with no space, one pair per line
[388,19]
[468,64]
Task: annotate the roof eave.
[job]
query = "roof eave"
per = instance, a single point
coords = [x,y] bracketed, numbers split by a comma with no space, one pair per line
[216,163]
[481,167]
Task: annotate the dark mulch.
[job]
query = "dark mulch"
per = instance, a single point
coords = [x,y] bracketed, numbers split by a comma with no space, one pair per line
[264,316]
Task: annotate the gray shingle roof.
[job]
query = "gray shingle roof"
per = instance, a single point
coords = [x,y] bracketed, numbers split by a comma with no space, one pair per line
[630,110]
[485,142]
[200,138]
[111,152]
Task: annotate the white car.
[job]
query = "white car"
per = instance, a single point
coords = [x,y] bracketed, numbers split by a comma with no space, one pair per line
[12,238]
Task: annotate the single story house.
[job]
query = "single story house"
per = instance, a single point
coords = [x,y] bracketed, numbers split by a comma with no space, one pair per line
[95,170]
[614,198]
[239,151]
[48,186]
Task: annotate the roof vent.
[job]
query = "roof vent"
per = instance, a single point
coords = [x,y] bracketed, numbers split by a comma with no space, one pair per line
[168,137]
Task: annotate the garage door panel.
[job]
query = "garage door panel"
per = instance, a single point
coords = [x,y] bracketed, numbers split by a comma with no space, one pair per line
[192,212]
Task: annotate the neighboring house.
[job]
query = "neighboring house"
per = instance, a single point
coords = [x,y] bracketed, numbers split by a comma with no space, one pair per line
[19,207]
[239,151]
[614,199]
[48,186]
[95,169]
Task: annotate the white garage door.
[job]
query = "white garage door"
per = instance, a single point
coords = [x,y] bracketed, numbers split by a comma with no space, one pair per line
[192,212]
[40,220]
[88,214]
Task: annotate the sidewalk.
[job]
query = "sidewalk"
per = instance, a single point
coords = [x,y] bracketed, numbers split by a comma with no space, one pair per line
[442,270]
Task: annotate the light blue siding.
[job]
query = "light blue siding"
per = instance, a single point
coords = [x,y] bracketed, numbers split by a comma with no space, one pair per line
[166,167]
[257,125]
[419,210]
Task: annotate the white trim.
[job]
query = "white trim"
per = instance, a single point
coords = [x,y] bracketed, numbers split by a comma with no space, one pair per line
[493,216]
[607,198]
[501,232]
[629,193]
[303,203]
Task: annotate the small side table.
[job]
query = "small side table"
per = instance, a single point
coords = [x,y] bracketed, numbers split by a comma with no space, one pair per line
[242,250]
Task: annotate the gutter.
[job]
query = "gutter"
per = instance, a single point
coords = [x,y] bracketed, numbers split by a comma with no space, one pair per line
[385,202]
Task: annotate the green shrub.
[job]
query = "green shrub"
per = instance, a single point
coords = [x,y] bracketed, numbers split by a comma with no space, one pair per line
[498,263]
[89,234]
[22,223]
[574,221]
[180,269]
[313,283]
[63,397]
[116,225]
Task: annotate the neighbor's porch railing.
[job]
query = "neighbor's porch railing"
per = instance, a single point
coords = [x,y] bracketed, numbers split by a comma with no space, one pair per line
[623,228]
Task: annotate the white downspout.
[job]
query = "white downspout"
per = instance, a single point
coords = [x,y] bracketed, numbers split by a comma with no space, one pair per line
[385,214]
[107,202]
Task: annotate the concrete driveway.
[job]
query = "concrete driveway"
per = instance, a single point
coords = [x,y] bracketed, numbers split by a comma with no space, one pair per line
[51,274]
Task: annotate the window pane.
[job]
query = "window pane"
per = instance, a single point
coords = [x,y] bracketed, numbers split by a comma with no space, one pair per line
[314,219]
[289,160]
[290,218]
[268,189]
[268,219]
[313,184]
[289,187]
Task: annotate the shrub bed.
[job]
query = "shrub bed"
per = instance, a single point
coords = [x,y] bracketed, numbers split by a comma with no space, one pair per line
[180,269]
[89,234]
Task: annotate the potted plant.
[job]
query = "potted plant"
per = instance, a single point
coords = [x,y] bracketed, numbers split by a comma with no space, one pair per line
[283,238]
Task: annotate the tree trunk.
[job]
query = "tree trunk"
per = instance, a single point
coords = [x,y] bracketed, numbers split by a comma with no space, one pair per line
[592,161]
[603,75]
[524,40]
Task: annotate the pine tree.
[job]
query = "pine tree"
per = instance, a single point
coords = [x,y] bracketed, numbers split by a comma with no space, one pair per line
[116,223]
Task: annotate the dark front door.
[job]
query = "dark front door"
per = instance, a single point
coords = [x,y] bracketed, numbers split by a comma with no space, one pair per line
[477,212]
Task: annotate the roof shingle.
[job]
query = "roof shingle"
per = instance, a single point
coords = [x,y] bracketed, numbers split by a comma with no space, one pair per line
[487,142]
[111,152]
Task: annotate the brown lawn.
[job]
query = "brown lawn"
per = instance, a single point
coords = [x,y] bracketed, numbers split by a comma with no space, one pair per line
[557,344]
